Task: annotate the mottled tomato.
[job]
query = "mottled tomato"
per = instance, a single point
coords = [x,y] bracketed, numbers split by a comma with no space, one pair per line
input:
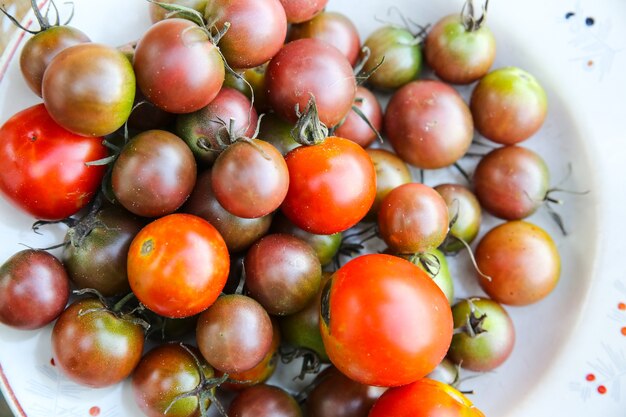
[425,397]
[302,10]
[44,169]
[264,401]
[95,347]
[257,32]
[428,124]
[354,127]
[332,186]
[102,93]
[522,262]
[178,68]
[508,105]
[465,215]
[310,67]
[34,289]
[178,265]
[278,132]
[331,27]
[325,246]
[384,321]
[391,172]
[413,218]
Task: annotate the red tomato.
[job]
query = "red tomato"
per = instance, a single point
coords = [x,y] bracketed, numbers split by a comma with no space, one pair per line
[424,398]
[178,265]
[43,165]
[331,186]
[384,321]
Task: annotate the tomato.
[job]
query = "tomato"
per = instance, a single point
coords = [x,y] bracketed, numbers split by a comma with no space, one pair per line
[34,289]
[154,174]
[234,334]
[44,171]
[331,27]
[39,51]
[257,32]
[486,334]
[384,321]
[278,132]
[95,347]
[465,215]
[251,77]
[302,10]
[413,218]
[103,89]
[509,105]
[424,398]
[391,172]
[511,182]
[428,124]
[167,372]
[332,186]
[458,52]
[178,265]
[354,127]
[522,262]
[264,401]
[310,67]
[178,68]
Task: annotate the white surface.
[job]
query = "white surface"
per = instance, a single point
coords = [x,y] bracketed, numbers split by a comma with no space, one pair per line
[574,332]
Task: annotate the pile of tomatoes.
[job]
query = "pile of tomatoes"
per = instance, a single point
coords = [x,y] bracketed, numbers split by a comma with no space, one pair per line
[229,202]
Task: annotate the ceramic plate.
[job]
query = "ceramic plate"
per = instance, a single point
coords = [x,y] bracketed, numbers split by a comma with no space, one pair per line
[570,353]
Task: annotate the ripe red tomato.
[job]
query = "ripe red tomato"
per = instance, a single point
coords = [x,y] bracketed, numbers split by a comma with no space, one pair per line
[384,321]
[424,398]
[178,265]
[331,186]
[43,165]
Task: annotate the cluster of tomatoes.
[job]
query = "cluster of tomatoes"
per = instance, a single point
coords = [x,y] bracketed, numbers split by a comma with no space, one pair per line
[190,213]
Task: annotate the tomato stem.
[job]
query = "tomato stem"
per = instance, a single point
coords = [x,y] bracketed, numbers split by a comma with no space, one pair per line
[470,22]
[309,130]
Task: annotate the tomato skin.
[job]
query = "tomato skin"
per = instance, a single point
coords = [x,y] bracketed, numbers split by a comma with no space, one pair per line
[103,91]
[177,67]
[354,127]
[332,186]
[264,401]
[391,172]
[299,11]
[384,321]
[94,347]
[178,265]
[464,206]
[522,260]
[44,171]
[424,398]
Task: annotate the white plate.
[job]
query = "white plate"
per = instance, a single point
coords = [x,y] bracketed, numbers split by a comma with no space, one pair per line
[578,331]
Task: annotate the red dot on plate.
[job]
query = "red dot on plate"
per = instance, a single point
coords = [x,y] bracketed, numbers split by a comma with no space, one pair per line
[621,306]
[94,411]
[590,377]
[52,362]
[602,389]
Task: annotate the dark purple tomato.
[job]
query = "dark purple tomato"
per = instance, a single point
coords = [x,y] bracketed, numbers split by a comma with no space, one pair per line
[234,334]
[331,27]
[283,273]
[522,262]
[508,105]
[428,124]
[278,132]
[257,32]
[202,128]
[102,93]
[413,218]
[402,57]
[39,51]
[95,347]
[511,182]
[302,328]
[147,116]
[459,54]
[325,246]
[310,67]
[264,401]
[164,374]
[250,178]
[167,329]
[465,213]
[336,395]
[159,13]
[154,174]
[177,67]
[34,289]
[299,11]
[238,233]
[391,172]
[354,127]
[484,336]
[96,250]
